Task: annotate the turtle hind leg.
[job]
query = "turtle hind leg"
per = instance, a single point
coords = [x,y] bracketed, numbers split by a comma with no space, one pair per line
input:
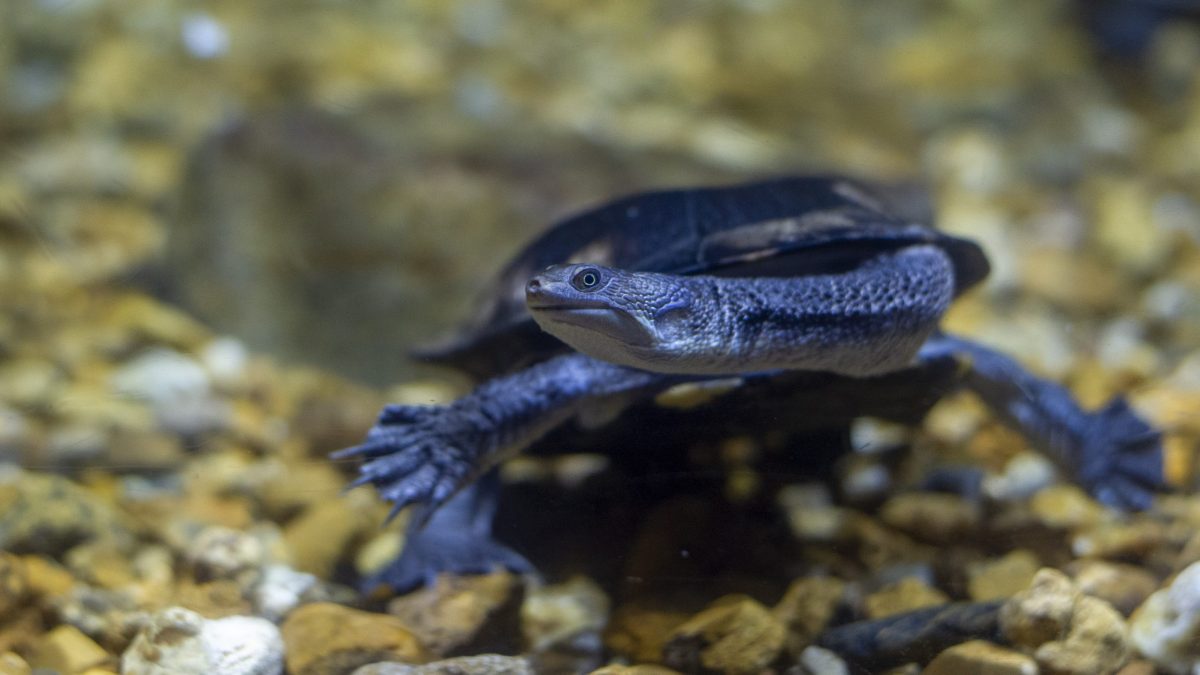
[456,539]
[1111,452]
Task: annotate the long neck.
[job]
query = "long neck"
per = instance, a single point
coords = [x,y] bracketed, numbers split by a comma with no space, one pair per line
[868,321]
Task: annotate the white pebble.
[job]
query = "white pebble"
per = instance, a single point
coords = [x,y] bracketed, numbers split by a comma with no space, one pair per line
[178,641]
[1164,628]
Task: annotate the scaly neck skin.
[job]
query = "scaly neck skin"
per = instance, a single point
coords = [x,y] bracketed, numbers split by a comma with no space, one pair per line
[867,321]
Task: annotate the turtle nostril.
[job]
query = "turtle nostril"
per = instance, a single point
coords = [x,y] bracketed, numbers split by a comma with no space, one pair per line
[533,287]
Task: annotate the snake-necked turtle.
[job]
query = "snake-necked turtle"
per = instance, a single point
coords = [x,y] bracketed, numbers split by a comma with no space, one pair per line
[813,291]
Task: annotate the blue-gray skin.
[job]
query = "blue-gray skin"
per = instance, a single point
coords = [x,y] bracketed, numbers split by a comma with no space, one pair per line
[640,333]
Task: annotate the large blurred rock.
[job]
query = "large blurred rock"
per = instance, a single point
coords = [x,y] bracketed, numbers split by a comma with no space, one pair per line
[345,239]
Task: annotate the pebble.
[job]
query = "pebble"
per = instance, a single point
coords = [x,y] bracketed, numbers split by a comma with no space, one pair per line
[819,661]
[225,360]
[1130,540]
[318,537]
[931,516]
[22,630]
[483,664]
[903,596]
[978,657]
[111,617]
[1068,632]
[734,635]
[14,588]
[100,563]
[46,579]
[554,614]
[66,650]
[639,633]
[1001,577]
[1123,586]
[1024,475]
[50,514]
[12,664]
[811,514]
[177,641]
[1097,642]
[639,669]
[455,612]
[16,432]
[213,599]
[29,382]
[1166,627]
[224,553]
[280,590]
[807,607]
[176,387]
[1067,507]
[324,638]
[1042,612]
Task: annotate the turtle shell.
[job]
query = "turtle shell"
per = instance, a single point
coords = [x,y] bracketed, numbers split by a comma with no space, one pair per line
[781,227]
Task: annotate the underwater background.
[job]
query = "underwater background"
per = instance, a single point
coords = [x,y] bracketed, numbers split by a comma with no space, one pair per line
[224,224]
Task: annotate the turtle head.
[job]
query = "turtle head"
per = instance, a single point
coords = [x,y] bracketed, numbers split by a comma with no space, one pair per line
[609,313]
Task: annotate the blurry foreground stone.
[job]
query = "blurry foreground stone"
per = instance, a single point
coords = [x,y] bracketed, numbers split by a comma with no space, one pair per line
[980,658]
[734,635]
[1066,631]
[180,642]
[1166,628]
[456,614]
[483,664]
[327,639]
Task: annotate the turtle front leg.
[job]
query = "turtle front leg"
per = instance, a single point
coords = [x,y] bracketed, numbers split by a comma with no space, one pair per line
[1112,452]
[423,456]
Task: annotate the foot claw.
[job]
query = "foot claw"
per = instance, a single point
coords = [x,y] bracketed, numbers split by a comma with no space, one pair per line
[416,455]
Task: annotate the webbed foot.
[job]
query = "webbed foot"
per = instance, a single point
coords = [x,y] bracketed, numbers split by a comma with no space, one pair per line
[1111,452]
[1120,457]
[431,551]
[419,455]
[457,540]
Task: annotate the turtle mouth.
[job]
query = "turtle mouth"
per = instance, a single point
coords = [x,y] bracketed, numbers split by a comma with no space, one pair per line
[561,307]
[595,320]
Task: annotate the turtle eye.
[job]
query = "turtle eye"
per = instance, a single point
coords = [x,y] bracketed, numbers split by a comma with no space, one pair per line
[586,279]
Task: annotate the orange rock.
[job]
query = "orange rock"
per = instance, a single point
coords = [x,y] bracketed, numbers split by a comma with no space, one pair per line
[325,638]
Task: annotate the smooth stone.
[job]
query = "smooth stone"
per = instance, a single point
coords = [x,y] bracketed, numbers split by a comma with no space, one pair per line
[49,514]
[1042,612]
[931,516]
[903,596]
[224,553]
[1166,627]
[807,607]
[639,633]
[11,663]
[734,635]
[177,641]
[14,586]
[1068,632]
[1067,507]
[979,657]
[1001,577]
[66,650]
[324,638]
[482,664]
[463,614]
[819,661]
[1123,586]
[554,614]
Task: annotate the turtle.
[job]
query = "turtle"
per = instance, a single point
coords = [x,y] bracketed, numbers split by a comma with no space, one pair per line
[810,300]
